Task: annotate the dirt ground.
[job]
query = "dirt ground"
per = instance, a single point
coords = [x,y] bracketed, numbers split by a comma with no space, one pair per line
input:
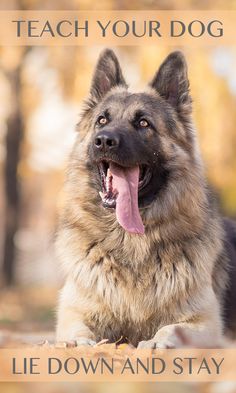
[27,315]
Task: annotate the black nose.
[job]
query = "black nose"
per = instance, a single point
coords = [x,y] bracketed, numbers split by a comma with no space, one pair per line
[106,141]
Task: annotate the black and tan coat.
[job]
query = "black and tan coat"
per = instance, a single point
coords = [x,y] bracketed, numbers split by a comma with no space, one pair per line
[141,286]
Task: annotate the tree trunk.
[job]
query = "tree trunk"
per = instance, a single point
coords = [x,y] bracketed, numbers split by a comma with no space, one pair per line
[14,137]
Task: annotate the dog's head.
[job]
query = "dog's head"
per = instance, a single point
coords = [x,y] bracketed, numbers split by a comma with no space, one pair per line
[136,142]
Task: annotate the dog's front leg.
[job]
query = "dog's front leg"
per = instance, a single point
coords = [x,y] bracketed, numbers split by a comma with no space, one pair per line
[203,330]
[70,328]
[183,334]
[70,319]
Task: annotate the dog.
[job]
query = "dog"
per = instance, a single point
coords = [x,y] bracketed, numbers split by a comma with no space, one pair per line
[144,250]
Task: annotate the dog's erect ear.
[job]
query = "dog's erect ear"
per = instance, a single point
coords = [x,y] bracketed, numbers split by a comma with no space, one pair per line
[171,81]
[107,74]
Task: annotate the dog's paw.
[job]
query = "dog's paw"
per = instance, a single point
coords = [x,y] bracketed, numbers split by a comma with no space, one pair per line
[149,344]
[154,344]
[167,337]
[84,341]
[81,341]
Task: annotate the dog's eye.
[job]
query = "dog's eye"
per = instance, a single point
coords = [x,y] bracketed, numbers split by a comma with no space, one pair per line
[102,120]
[143,123]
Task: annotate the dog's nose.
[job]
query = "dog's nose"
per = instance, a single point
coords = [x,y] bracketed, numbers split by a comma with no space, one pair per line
[106,141]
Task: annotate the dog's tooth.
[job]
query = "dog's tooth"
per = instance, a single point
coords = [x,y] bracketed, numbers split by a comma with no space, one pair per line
[108,180]
[102,195]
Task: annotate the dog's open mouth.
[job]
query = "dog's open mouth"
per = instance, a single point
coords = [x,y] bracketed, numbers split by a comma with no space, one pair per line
[120,188]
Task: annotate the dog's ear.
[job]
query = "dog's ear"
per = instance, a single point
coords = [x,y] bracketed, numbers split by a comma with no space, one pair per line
[171,82]
[107,74]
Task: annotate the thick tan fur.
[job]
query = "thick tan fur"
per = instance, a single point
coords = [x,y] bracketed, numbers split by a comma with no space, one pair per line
[140,287]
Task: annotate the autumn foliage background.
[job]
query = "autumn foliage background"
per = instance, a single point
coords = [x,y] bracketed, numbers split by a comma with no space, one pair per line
[41,90]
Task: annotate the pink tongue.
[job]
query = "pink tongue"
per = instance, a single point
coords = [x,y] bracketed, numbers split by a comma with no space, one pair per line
[125,181]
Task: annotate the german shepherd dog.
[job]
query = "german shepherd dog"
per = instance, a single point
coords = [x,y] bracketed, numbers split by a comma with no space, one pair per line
[145,252]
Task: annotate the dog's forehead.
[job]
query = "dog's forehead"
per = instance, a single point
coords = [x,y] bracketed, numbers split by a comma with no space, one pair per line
[120,104]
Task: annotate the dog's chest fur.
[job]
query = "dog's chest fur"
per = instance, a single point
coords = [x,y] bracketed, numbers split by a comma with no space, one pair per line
[131,283]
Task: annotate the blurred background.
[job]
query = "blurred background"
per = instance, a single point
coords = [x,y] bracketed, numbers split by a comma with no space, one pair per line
[41,90]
